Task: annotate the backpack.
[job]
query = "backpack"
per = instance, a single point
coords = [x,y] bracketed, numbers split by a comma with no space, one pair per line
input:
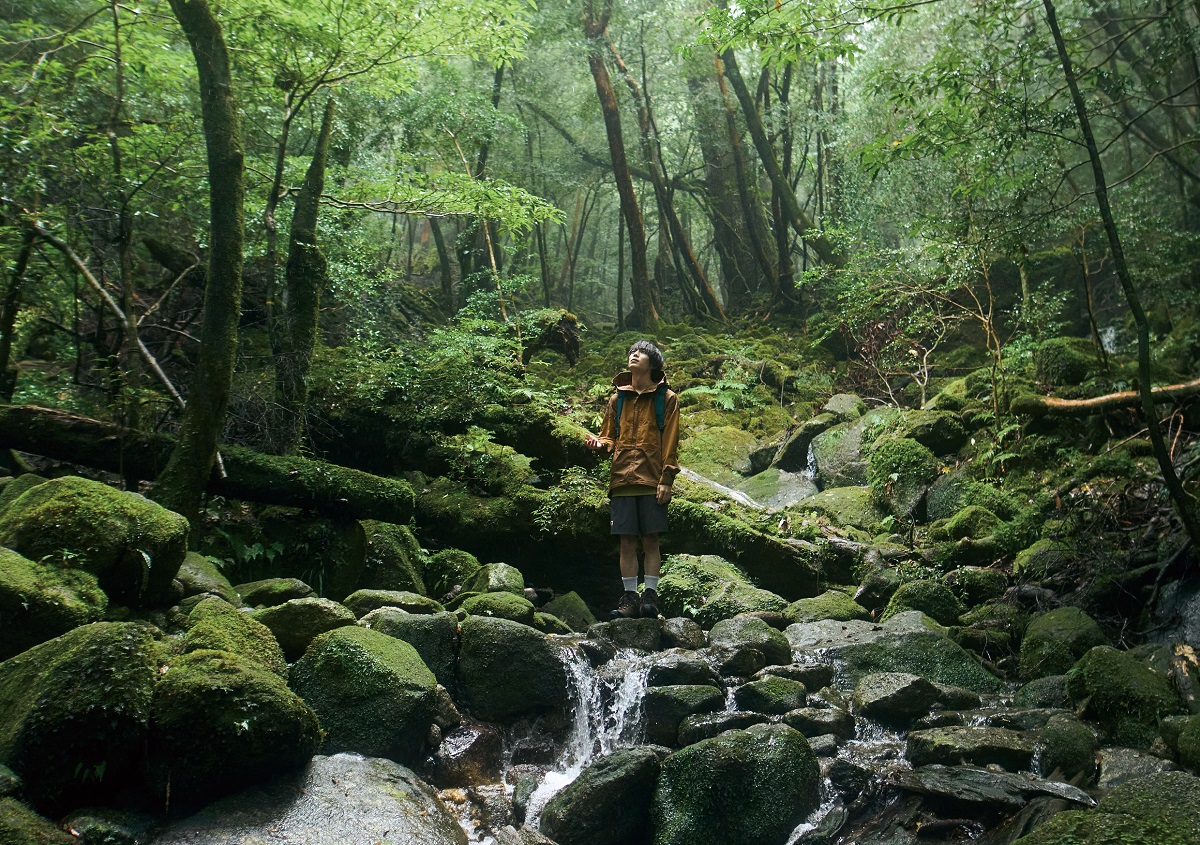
[660,404]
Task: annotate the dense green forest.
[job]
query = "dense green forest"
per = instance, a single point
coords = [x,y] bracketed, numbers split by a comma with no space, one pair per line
[339,288]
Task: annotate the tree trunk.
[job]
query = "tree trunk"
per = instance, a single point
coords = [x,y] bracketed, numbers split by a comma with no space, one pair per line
[444,265]
[305,278]
[1184,504]
[1038,406]
[181,485]
[8,314]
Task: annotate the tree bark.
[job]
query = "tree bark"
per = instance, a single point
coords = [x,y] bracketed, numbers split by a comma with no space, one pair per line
[181,484]
[306,276]
[8,314]
[1184,504]
[1038,406]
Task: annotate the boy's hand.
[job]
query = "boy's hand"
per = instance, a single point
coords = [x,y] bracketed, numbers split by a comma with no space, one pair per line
[593,442]
[663,496]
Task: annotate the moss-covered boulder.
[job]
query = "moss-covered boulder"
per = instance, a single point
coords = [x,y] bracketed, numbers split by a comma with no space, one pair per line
[216,625]
[12,491]
[739,788]
[840,451]
[39,602]
[771,695]
[743,632]
[1042,559]
[572,609]
[1188,743]
[502,606]
[954,491]
[372,693]
[665,707]
[974,585]
[131,544]
[708,589]
[1050,691]
[1055,640]
[448,568]
[929,597]
[362,602]
[74,713]
[220,723]
[432,635]
[548,623]
[394,559]
[1065,361]
[721,453]
[939,431]
[20,825]
[509,670]
[1126,698]
[496,578]
[845,406]
[979,746]
[846,507]
[832,604]
[272,592]
[200,576]
[608,804]
[298,622]
[899,472]
[1067,746]
[972,522]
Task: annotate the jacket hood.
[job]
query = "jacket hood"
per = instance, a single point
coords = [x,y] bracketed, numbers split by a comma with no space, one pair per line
[624,381]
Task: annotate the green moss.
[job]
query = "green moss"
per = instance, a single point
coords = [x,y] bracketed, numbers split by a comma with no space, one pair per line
[549,624]
[509,670]
[1188,743]
[845,506]
[20,825]
[1043,559]
[1126,698]
[1061,361]
[954,491]
[496,578]
[501,606]
[973,521]
[1055,640]
[929,597]
[131,544]
[570,608]
[772,695]
[973,585]
[709,588]
[394,559]
[832,604]
[1168,800]
[932,656]
[447,568]
[362,602]
[1067,746]
[272,592]
[15,487]
[38,602]
[899,470]
[199,575]
[721,453]
[666,706]
[216,625]
[432,635]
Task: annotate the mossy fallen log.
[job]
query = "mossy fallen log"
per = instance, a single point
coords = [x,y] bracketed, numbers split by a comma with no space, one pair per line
[249,475]
[1038,406]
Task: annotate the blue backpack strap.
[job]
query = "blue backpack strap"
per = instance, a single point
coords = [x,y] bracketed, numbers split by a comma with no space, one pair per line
[620,405]
[660,409]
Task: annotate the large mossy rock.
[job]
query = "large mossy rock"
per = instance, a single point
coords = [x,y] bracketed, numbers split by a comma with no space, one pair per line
[362,602]
[372,693]
[272,592]
[1126,698]
[666,706]
[1065,361]
[832,604]
[739,788]
[720,453]
[751,632]
[297,622]
[840,451]
[572,609]
[509,670]
[39,602]
[220,723]
[74,712]
[131,544]
[393,559]
[449,568]
[501,605]
[216,625]
[1055,640]
[608,804]
[200,576]
[941,432]
[899,472]
[929,597]
[846,507]
[972,522]
[771,695]
[980,746]
[1068,746]
[432,635]
[496,578]
[709,588]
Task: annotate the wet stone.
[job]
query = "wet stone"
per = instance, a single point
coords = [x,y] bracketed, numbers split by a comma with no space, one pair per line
[737,661]
[677,667]
[1028,719]
[681,632]
[666,707]
[812,675]
[1121,765]
[772,695]
[825,745]
[637,634]
[985,788]
[896,699]
[848,779]
[1010,750]
[469,755]
[703,726]
[813,721]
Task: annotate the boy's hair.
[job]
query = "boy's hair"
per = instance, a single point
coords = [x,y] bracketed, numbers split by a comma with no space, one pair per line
[655,355]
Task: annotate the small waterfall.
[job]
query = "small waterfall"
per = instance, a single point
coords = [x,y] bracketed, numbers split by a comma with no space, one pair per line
[607,715]
[810,468]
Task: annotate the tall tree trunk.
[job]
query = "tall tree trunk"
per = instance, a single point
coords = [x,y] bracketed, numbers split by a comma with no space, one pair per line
[444,265]
[645,314]
[180,486]
[8,314]
[305,278]
[1184,504]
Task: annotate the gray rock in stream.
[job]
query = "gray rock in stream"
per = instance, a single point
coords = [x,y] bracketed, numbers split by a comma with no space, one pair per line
[984,788]
[1010,750]
[336,800]
[608,804]
[896,699]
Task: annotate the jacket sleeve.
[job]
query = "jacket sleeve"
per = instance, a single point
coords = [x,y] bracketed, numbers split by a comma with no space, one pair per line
[670,440]
[608,429]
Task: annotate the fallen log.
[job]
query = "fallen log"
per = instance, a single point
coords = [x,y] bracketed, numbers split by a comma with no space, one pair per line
[251,476]
[1038,406]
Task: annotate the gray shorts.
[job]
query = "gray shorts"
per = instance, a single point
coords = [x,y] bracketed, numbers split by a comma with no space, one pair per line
[636,515]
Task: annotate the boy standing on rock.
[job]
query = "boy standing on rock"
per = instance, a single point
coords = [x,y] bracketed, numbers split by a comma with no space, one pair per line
[641,429]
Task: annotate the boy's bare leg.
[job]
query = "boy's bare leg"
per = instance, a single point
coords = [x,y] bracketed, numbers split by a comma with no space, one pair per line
[653,556]
[629,560]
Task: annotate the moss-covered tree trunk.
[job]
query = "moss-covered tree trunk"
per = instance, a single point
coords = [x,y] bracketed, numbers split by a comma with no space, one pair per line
[306,276]
[181,485]
[8,313]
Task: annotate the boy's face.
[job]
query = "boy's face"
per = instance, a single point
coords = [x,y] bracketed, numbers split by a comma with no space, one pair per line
[639,361]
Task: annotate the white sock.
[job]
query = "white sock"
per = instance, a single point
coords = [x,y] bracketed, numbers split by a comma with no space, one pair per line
[630,584]
[652,582]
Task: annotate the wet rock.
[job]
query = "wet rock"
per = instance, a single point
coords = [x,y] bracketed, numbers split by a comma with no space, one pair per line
[974,585]
[393,559]
[637,634]
[373,693]
[845,506]
[598,651]
[847,778]
[878,586]
[707,725]
[447,568]
[470,754]
[1055,640]
[896,699]
[433,636]
[336,800]
[548,624]
[271,592]
[825,745]
[666,707]
[570,608]
[987,789]
[491,806]
[1011,750]
[297,622]
[496,578]
[362,602]
[929,597]
[899,471]
[106,826]
[1050,691]
[199,575]
[74,713]
[608,804]
[501,605]
[748,632]
[681,632]
[709,588]
[772,617]
[508,669]
[521,836]
[1022,719]
[812,675]
[793,455]
[1067,746]
[680,667]
[1124,697]
[1124,765]
[20,825]
[776,488]
[773,696]
[832,604]
[524,780]
[39,602]
[839,450]
[738,788]
[217,625]
[818,721]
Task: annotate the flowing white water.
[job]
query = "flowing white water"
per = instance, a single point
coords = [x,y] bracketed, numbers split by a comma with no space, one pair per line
[606,716]
[729,492]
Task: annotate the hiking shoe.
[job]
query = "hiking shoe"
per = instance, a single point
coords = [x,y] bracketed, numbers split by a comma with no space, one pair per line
[649,604]
[628,606]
